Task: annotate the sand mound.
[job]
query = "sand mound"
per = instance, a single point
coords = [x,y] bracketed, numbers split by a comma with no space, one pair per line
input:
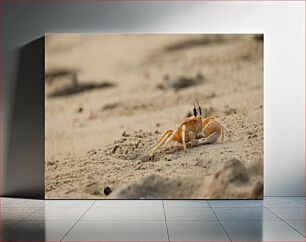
[134,146]
[232,181]
[137,146]
[156,186]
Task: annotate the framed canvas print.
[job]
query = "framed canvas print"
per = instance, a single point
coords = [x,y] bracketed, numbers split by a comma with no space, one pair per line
[154,116]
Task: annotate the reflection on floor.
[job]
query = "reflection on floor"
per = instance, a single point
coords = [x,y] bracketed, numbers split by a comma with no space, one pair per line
[274,219]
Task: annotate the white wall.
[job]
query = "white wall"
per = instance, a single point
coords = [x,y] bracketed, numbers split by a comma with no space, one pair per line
[283,24]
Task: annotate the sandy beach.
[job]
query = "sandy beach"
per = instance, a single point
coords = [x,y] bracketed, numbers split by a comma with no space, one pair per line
[108,98]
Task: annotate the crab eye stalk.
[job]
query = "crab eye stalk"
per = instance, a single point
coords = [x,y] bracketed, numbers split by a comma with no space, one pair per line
[195,113]
[200,110]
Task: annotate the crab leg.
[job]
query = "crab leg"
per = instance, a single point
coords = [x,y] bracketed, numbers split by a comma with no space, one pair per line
[164,134]
[192,138]
[213,137]
[170,138]
[184,136]
[164,137]
[223,128]
[221,125]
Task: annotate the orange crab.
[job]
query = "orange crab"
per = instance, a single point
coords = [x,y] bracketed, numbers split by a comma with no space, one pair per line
[191,129]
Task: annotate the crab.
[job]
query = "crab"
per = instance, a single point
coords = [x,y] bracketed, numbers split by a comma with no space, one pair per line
[192,129]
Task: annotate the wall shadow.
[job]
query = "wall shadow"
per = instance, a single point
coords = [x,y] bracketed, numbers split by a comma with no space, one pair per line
[27,230]
[24,170]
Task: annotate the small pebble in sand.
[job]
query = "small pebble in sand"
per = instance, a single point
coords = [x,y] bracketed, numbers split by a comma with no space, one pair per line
[80,110]
[167,158]
[92,152]
[115,148]
[124,134]
[107,190]
[50,163]
[161,86]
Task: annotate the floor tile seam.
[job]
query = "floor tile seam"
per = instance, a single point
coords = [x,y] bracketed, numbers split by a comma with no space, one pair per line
[287,223]
[73,225]
[220,224]
[168,236]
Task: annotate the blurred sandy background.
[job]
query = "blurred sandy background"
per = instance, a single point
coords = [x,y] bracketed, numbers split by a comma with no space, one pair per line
[109,97]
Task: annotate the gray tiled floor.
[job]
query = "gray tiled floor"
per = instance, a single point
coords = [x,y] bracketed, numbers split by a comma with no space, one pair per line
[244,213]
[57,213]
[128,204]
[118,231]
[186,203]
[196,231]
[289,213]
[283,202]
[274,219]
[298,225]
[261,230]
[39,230]
[185,213]
[107,214]
[235,203]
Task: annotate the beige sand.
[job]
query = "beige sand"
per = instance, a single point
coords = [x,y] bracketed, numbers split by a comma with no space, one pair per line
[109,97]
